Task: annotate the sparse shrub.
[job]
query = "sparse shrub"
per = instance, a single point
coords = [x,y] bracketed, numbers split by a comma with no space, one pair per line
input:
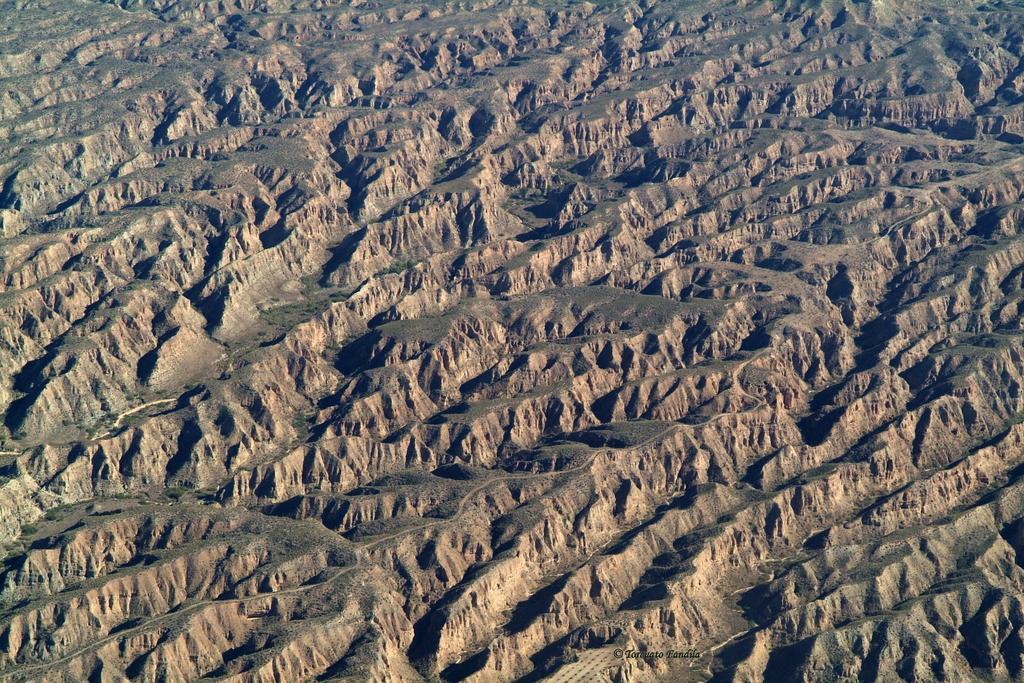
[397,267]
[175,492]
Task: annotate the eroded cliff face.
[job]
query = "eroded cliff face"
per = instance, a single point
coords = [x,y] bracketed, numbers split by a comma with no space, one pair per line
[389,341]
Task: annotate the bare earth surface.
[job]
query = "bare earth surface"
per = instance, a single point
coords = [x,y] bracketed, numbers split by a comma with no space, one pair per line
[399,341]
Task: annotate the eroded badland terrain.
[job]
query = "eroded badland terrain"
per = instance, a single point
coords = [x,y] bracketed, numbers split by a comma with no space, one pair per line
[398,341]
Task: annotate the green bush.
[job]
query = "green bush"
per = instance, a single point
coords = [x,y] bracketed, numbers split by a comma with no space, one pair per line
[397,267]
[175,492]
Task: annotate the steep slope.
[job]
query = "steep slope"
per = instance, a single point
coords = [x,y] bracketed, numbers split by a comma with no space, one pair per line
[482,341]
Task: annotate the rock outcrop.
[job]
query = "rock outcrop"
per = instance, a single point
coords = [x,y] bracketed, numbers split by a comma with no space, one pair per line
[476,341]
